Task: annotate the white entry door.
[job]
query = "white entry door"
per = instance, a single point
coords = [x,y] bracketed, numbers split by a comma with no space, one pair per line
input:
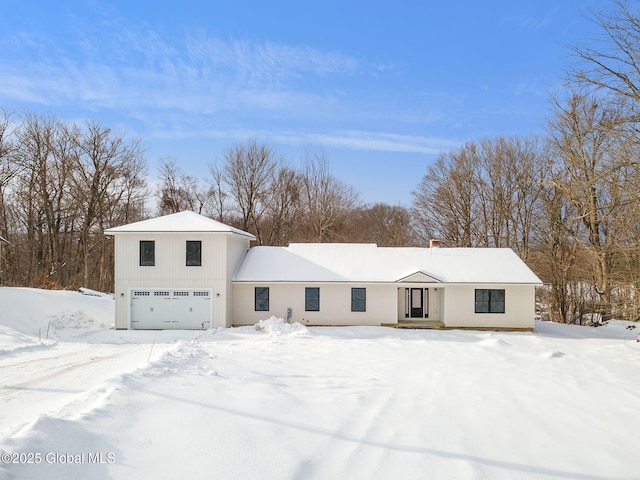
[171,308]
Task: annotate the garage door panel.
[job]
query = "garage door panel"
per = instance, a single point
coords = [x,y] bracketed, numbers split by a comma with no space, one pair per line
[180,309]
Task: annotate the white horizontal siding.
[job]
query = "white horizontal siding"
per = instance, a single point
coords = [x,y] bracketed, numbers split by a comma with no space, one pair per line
[335,304]
[519,307]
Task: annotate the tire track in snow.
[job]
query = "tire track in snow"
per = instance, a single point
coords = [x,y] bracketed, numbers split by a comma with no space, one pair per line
[52,372]
[55,379]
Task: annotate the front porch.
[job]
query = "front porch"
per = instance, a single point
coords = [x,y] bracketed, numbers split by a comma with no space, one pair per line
[420,306]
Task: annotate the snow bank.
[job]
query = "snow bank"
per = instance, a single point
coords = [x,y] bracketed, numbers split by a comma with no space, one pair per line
[28,314]
[612,329]
[278,326]
[183,356]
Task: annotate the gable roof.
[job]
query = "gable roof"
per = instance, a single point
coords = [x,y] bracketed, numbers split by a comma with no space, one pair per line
[368,263]
[182,222]
[419,277]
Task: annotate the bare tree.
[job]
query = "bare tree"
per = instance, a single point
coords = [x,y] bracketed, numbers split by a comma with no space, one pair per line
[66,185]
[218,198]
[556,255]
[587,137]
[511,179]
[43,191]
[482,194]
[612,61]
[8,170]
[327,201]
[179,191]
[445,202]
[103,174]
[284,206]
[384,225]
[249,170]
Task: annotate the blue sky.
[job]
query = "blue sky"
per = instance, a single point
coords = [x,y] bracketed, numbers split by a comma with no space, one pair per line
[381,87]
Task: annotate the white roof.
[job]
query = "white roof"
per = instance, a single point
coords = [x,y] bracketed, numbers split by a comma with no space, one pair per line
[183,222]
[367,263]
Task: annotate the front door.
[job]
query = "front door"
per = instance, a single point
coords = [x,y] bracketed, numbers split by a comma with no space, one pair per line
[417,303]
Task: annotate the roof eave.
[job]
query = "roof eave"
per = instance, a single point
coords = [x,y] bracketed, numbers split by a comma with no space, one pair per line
[114,232]
[381,282]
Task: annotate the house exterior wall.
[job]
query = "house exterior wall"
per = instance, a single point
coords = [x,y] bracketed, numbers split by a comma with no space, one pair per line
[335,304]
[459,307]
[236,250]
[454,305]
[170,270]
[435,303]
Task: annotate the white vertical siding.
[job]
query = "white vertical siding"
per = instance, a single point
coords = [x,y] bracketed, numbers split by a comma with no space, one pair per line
[170,268]
[236,249]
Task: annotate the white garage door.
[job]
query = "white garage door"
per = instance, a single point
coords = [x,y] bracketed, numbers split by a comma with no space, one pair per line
[178,309]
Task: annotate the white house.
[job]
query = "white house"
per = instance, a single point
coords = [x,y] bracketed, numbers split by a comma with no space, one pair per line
[175,272]
[187,271]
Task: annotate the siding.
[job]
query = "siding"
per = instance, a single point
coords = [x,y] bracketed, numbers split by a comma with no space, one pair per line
[170,268]
[519,307]
[452,304]
[335,304]
[236,250]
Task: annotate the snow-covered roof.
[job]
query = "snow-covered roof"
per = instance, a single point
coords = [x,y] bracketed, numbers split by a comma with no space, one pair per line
[343,262]
[182,222]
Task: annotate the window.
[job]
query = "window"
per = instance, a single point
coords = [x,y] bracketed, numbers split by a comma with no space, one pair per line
[312,299]
[489,301]
[194,253]
[358,299]
[262,299]
[147,253]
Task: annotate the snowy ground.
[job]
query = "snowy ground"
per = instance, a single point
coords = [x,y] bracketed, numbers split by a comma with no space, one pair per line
[289,402]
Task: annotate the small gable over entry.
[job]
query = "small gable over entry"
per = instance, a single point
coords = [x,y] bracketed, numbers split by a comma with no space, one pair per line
[419,277]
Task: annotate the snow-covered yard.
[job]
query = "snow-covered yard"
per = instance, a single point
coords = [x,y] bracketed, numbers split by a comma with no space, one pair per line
[288,402]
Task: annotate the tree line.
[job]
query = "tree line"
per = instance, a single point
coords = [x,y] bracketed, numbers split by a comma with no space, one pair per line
[568,201]
[257,191]
[62,185]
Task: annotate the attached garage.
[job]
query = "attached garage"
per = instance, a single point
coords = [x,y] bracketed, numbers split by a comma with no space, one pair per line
[171,308]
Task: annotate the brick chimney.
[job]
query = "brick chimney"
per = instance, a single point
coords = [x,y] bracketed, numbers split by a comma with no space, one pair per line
[434,243]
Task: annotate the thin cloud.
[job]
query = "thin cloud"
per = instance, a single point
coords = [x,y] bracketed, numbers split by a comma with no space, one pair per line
[349,139]
[131,69]
[380,141]
[141,72]
[530,22]
[268,62]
